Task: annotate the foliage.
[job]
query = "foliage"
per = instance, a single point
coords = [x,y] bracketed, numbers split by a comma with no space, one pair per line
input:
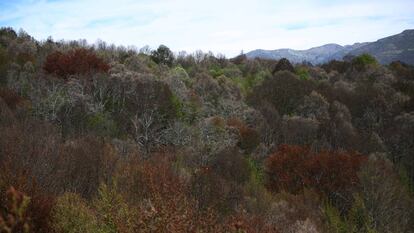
[3,64]
[283,64]
[102,124]
[14,218]
[11,98]
[284,91]
[294,168]
[386,200]
[302,72]
[163,55]
[200,143]
[334,65]
[112,211]
[72,214]
[334,221]
[360,62]
[74,62]
[249,137]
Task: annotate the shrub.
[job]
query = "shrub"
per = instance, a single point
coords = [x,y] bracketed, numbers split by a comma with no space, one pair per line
[294,168]
[334,221]
[160,196]
[7,34]
[11,98]
[402,70]
[358,219]
[283,64]
[302,72]
[114,215]
[150,96]
[3,64]
[340,66]
[72,215]
[83,164]
[162,55]
[284,91]
[139,63]
[362,61]
[384,197]
[249,138]
[314,106]
[102,124]
[14,217]
[299,130]
[296,213]
[74,62]
[232,166]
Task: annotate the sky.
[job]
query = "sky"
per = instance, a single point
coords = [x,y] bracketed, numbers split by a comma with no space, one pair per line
[221,26]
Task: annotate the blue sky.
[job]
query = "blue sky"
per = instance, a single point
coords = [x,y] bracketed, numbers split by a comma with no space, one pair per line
[219,26]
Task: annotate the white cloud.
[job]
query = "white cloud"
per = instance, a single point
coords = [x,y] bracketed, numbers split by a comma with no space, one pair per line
[220,26]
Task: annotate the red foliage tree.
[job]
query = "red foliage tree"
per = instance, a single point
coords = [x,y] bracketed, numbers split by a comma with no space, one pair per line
[294,168]
[77,61]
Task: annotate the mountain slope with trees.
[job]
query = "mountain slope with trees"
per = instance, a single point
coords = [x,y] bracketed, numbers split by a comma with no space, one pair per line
[99,138]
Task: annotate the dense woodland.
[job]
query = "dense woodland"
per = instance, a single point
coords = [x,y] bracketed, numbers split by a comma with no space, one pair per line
[104,138]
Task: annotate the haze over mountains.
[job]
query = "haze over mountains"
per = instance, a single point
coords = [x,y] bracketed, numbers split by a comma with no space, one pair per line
[392,48]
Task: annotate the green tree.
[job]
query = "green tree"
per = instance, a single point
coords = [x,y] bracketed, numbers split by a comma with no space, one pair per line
[163,55]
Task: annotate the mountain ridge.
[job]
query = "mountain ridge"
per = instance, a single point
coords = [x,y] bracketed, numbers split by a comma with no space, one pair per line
[387,49]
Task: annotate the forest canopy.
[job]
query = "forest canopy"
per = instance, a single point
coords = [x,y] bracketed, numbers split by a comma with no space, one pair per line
[104,138]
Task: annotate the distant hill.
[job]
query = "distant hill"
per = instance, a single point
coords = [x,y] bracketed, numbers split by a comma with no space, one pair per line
[397,47]
[392,48]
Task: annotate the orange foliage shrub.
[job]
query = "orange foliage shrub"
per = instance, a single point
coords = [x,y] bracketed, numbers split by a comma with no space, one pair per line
[161,196]
[77,61]
[294,168]
[249,137]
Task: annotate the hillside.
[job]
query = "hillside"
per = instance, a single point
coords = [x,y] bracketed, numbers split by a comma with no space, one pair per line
[393,48]
[399,47]
[104,139]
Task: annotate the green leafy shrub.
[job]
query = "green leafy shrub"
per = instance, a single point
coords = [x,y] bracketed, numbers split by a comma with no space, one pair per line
[358,218]
[334,220]
[112,211]
[72,215]
[102,124]
[302,72]
[178,106]
[182,74]
[362,61]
